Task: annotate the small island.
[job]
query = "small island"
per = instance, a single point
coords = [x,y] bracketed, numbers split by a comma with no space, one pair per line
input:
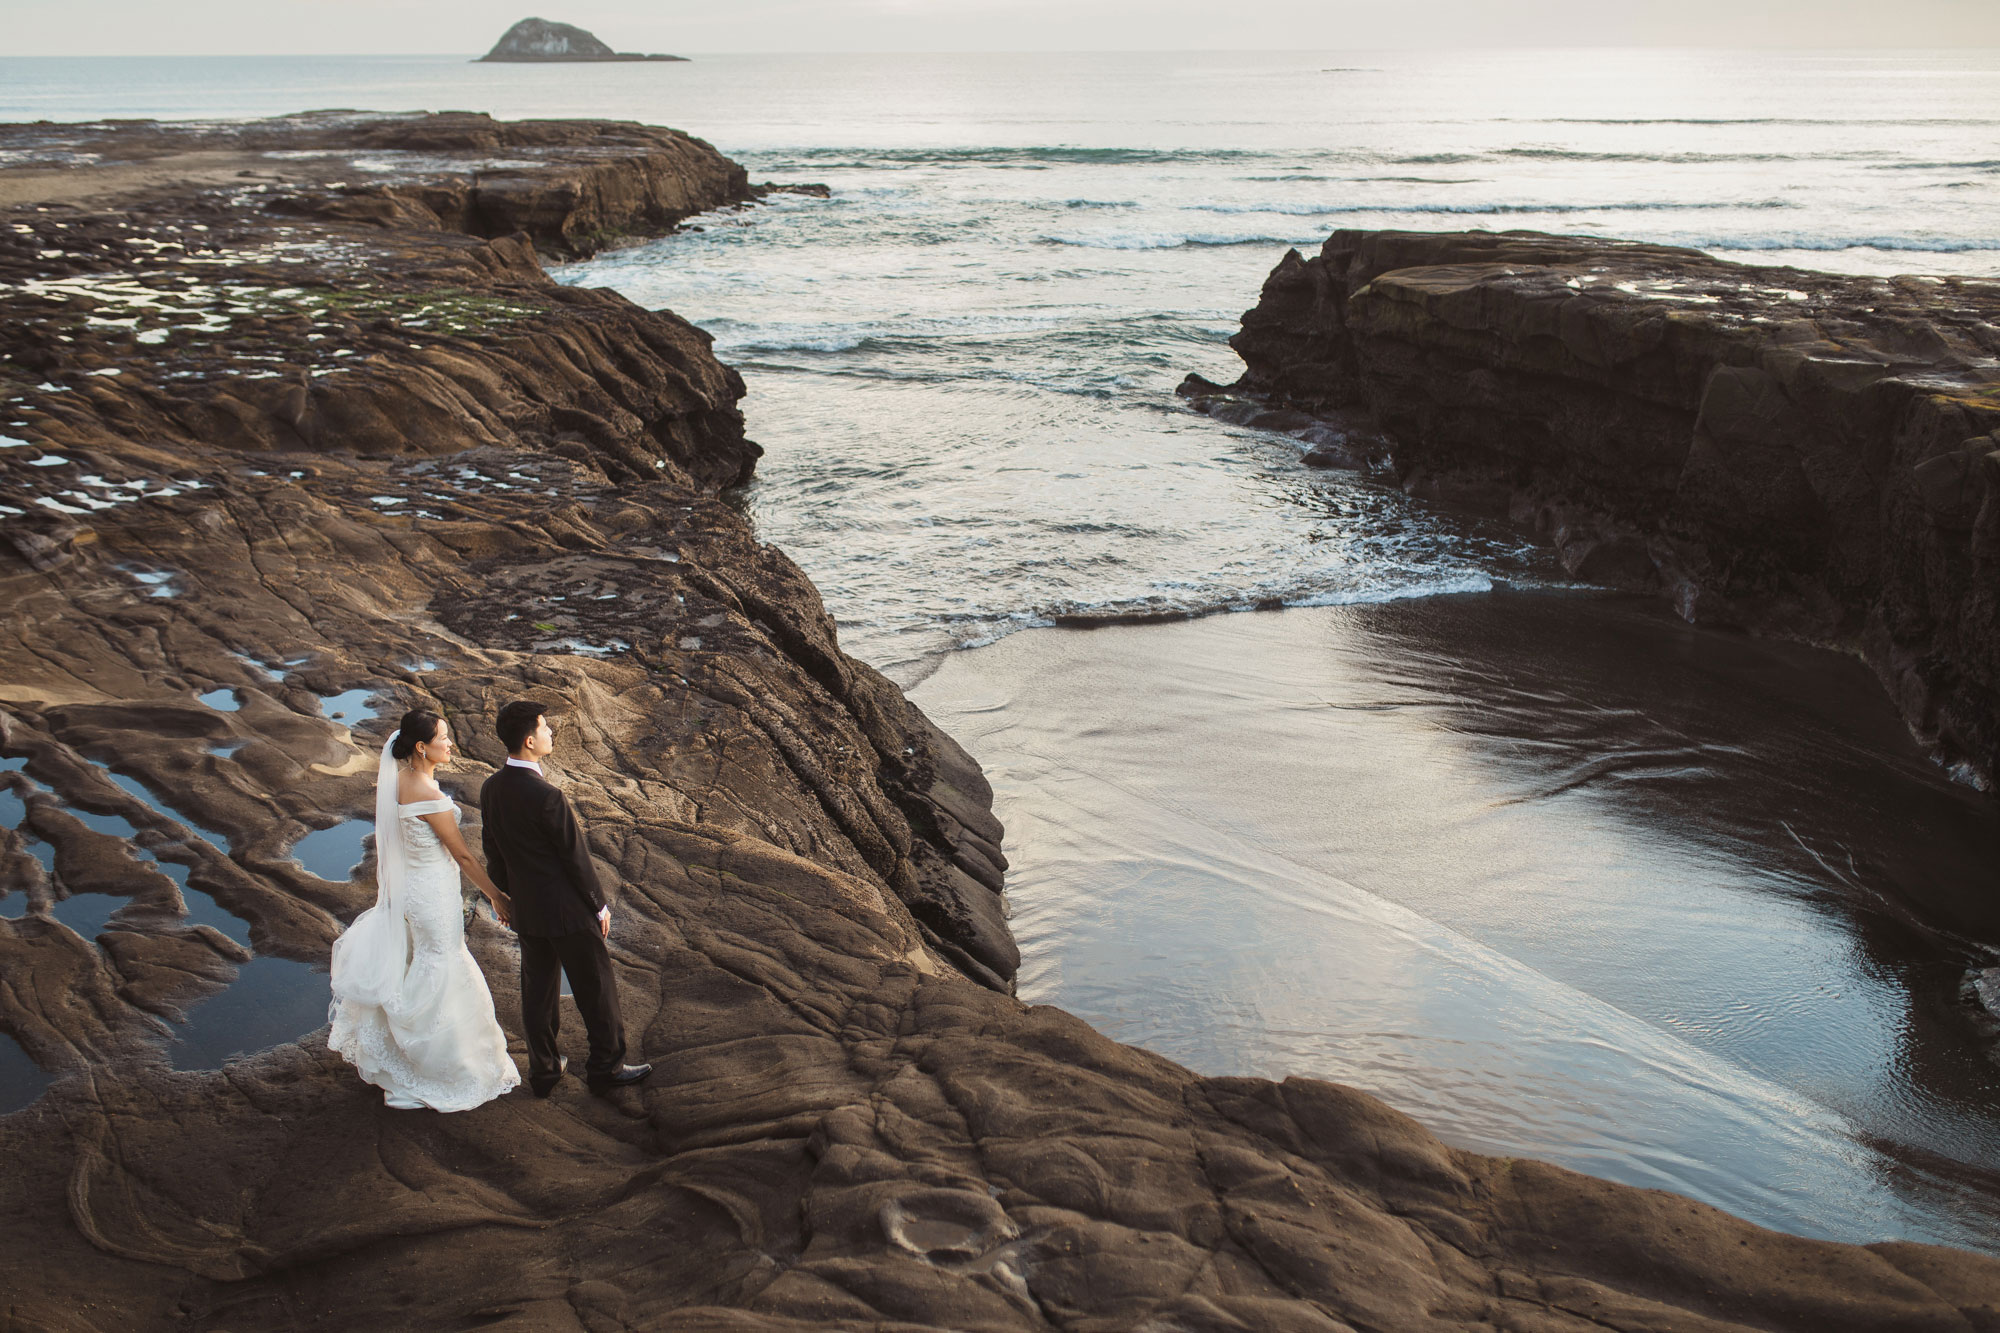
[540,41]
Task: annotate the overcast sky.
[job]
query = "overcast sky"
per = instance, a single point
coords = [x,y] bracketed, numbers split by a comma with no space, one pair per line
[163,27]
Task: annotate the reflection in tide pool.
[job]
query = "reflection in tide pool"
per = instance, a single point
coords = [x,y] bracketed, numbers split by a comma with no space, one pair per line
[202,909]
[87,913]
[334,853]
[349,706]
[21,1079]
[1557,876]
[12,809]
[272,1001]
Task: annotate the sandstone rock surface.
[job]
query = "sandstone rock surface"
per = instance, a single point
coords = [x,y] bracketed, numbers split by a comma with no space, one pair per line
[261,462]
[571,186]
[1798,453]
[540,41]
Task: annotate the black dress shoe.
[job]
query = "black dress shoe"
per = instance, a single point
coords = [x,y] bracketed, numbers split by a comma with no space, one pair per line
[544,1086]
[622,1077]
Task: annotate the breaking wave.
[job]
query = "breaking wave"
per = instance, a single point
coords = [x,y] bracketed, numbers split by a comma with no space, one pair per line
[1935,245]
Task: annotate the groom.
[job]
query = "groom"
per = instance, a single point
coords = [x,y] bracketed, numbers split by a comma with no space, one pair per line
[536,855]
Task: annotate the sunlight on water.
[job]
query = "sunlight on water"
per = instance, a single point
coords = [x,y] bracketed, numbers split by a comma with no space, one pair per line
[962,363]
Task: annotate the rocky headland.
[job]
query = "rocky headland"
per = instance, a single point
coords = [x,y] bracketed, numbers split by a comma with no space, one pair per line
[281,449]
[538,41]
[1794,453]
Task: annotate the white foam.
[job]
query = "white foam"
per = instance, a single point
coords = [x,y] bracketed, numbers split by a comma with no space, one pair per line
[1174,240]
[1938,245]
[1986,986]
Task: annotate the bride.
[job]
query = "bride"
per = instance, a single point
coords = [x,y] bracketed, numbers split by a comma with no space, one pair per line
[411,1011]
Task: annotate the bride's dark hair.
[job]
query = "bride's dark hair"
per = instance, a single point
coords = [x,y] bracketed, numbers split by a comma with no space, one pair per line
[419,725]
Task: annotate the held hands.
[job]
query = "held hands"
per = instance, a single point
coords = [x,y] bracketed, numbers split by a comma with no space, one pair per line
[503,907]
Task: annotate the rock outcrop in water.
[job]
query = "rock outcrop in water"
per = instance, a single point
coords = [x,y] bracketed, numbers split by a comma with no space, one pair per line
[1793,452]
[540,41]
[570,187]
[268,444]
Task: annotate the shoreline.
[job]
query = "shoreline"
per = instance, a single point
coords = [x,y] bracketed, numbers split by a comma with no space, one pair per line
[508,487]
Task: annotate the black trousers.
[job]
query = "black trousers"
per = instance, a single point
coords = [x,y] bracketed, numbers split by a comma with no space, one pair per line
[582,957]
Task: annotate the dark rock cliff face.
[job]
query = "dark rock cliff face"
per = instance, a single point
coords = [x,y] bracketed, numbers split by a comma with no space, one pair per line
[259,457]
[1793,452]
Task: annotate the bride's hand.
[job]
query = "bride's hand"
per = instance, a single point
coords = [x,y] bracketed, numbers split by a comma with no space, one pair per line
[503,908]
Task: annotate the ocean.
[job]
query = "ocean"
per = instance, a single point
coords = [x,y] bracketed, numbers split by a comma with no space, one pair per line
[962,366]
[962,362]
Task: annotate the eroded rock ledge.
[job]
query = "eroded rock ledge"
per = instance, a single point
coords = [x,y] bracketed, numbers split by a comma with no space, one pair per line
[1793,452]
[571,186]
[379,455]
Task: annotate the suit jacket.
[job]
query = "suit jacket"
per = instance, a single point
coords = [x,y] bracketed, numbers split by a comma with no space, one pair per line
[536,854]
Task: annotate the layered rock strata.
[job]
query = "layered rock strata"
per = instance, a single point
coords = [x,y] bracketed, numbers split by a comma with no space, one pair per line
[1793,452]
[570,186]
[261,463]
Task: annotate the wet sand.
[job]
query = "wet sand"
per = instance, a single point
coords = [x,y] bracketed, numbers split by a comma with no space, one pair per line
[1557,874]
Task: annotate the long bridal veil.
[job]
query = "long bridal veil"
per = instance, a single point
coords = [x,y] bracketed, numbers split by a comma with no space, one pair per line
[411,1011]
[371,958]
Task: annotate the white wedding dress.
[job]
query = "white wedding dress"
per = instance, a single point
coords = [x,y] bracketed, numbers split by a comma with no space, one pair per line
[411,1011]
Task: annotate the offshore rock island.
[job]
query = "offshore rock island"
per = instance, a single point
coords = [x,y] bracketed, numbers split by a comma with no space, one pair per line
[275,441]
[538,41]
[1796,453]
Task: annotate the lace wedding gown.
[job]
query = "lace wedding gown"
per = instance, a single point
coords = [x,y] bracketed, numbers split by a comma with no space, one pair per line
[411,1010]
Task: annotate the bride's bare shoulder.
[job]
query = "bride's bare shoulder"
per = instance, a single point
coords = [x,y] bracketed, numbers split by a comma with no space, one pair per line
[414,787]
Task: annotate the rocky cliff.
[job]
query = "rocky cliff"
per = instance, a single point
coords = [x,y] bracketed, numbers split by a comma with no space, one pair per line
[540,41]
[1793,452]
[273,449]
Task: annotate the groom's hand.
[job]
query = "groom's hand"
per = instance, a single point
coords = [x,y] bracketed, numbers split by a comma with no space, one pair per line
[604,922]
[503,907]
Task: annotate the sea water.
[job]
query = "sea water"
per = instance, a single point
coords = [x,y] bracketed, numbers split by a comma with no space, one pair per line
[962,361]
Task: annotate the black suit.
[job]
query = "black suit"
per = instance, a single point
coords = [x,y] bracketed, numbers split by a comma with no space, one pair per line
[536,855]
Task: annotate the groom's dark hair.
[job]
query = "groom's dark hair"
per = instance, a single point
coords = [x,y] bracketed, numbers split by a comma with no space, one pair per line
[517,722]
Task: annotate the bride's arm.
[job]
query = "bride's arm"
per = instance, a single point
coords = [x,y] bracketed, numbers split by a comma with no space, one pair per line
[454,843]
